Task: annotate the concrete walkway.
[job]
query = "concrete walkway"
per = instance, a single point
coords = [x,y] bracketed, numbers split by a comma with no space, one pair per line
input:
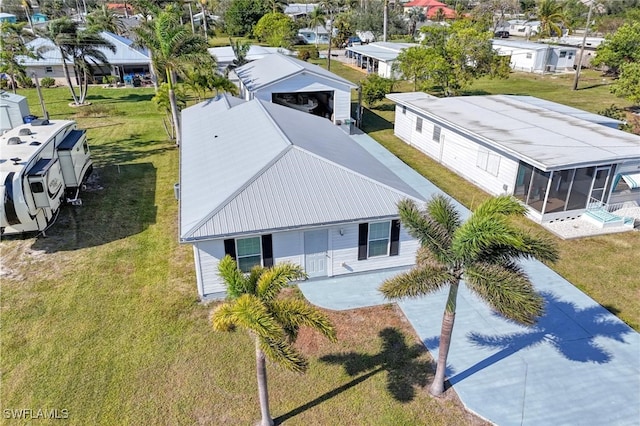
[580,365]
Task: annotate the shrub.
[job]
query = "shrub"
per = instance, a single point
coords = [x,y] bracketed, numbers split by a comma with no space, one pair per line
[310,52]
[374,89]
[48,82]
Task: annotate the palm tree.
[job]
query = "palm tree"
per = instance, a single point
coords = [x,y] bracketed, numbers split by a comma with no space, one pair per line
[551,16]
[12,49]
[415,15]
[482,251]
[256,305]
[174,49]
[82,48]
[102,19]
[317,19]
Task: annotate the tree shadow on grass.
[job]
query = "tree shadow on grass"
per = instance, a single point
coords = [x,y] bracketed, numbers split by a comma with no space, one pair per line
[119,202]
[571,331]
[404,370]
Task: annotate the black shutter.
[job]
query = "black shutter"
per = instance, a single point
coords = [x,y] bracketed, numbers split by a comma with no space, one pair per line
[395,238]
[230,247]
[363,237]
[267,251]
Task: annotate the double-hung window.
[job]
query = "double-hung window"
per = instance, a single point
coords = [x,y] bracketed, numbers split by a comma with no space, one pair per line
[378,239]
[251,251]
[379,234]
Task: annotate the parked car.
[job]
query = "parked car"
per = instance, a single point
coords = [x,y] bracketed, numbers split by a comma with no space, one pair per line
[354,41]
[501,34]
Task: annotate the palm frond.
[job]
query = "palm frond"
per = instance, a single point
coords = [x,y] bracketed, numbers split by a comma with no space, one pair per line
[483,235]
[442,211]
[295,313]
[223,318]
[507,289]
[274,279]
[284,354]
[251,314]
[416,282]
[503,205]
[425,229]
[233,278]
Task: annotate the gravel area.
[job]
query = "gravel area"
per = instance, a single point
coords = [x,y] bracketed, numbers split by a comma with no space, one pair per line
[578,228]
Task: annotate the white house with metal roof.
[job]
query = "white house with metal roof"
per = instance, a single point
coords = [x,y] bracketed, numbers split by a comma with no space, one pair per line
[265,184]
[377,57]
[297,84]
[557,160]
[536,57]
[126,60]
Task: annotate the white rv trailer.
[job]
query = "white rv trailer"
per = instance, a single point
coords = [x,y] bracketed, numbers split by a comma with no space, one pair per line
[42,165]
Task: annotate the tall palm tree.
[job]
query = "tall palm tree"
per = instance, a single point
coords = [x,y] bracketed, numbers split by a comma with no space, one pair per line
[174,49]
[551,16]
[317,19]
[102,19]
[12,49]
[483,252]
[256,305]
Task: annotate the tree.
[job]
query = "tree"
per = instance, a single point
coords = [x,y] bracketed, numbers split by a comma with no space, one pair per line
[276,29]
[240,51]
[82,47]
[102,19]
[317,19]
[457,55]
[255,304]
[628,84]
[242,15]
[174,50]
[412,63]
[551,16]
[483,252]
[375,88]
[414,16]
[619,48]
[163,103]
[12,48]
[495,12]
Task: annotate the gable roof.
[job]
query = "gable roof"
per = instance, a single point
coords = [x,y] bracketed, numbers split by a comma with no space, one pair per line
[125,52]
[546,136]
[277,67]
[282,169]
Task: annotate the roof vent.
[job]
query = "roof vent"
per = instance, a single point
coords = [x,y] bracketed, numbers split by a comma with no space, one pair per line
[25,131]
[14,141]
[35,143]
[15,160]
[40,122]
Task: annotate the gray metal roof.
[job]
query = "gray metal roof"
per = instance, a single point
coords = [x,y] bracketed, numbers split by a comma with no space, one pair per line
[125,53]
[258,167]
[546,138]
[277,67]
[225,54]
[382,51]
[517,44]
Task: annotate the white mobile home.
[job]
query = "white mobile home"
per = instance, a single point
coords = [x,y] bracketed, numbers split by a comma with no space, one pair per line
[297,84]
[558,160]
[536,57]
[267,184]
[378,57]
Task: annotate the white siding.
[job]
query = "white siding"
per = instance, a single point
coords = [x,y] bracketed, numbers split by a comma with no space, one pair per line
[384,69]
[458,153]
[289,247]
[208,255]
[519,59]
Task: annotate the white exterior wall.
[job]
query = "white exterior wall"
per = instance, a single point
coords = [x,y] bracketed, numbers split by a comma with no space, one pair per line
[312,83]
[561,64]
[289,247]
[464,156]
[519,60]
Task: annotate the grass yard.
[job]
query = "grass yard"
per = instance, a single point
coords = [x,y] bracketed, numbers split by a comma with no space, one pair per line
[101,317]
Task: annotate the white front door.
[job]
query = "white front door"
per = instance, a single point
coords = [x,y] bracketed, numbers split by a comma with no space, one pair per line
[315,253]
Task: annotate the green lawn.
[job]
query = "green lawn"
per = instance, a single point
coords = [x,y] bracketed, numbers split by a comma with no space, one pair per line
[101,317]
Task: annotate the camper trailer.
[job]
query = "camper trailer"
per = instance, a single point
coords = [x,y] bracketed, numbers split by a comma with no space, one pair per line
[43,164]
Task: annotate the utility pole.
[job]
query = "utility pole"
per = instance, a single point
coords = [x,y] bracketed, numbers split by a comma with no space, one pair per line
[44,108]
[584,41]
[385,18]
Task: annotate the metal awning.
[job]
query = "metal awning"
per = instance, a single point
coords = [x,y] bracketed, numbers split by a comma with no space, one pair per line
[632,179]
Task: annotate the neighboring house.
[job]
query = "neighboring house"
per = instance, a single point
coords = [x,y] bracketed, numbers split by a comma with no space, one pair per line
[125,61]
[309,35]
[299,84]
[425,4]
[536,57]
[590,46]
[225,55]
[13,110]
[8,18]
[39,18]
[377,58]
[556,159]
[299,10]
[431,8]
[524,28]
[267,184]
